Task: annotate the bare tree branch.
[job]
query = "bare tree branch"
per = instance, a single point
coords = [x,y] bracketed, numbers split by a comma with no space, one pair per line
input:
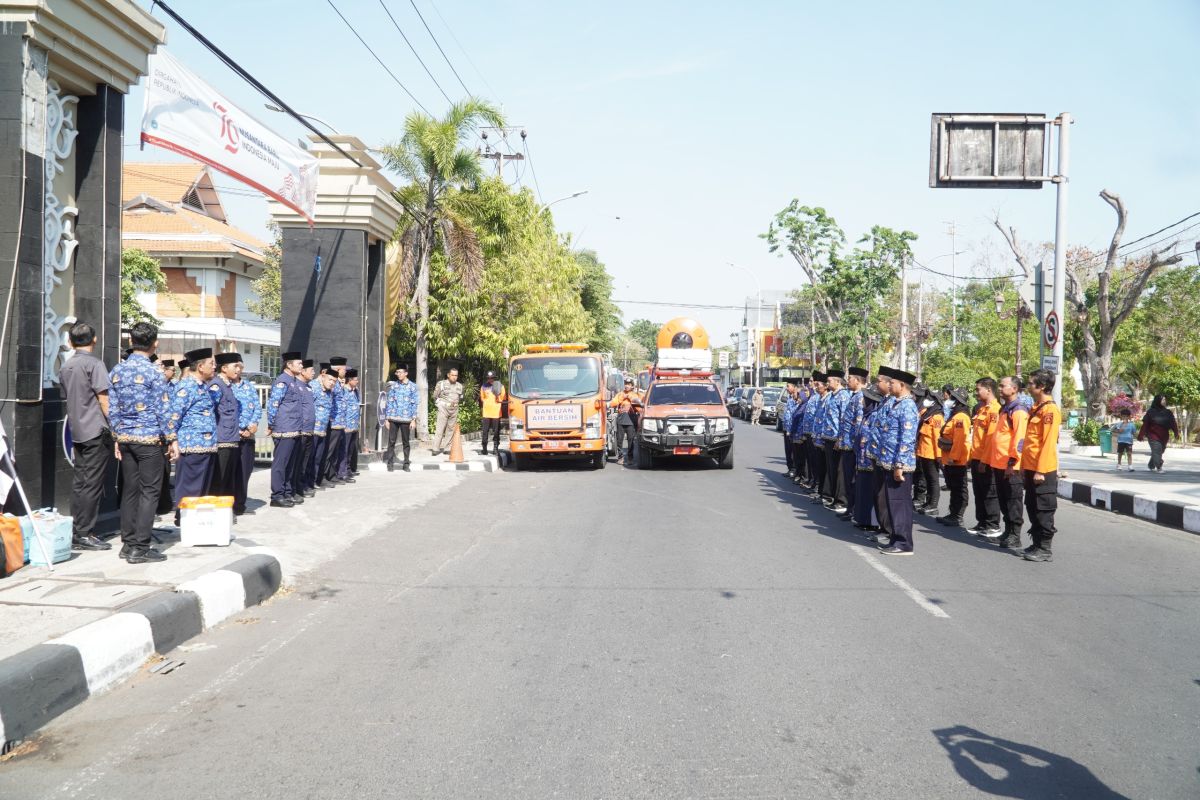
[1010,236]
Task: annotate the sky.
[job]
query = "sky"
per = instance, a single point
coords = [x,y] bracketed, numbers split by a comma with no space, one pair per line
[689,125]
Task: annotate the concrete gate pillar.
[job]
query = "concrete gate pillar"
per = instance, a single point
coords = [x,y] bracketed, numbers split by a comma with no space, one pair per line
[65,68]
[333,272]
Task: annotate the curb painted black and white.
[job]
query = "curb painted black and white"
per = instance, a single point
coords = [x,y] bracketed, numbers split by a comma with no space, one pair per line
[1164,512]
[40,683]
[445,466]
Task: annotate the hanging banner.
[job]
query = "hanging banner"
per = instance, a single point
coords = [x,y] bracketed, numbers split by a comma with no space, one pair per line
[186,115]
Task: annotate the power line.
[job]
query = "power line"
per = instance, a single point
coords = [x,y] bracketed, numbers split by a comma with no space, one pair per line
[463,50]
[529,160]
[380,60]
[921,266]
[439,47]
[250,79]
[706,306]
[415,53]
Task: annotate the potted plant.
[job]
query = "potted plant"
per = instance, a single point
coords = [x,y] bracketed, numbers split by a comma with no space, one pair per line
[1086,436]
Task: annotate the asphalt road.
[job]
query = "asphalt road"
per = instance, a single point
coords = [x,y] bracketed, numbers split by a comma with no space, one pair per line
[676,633]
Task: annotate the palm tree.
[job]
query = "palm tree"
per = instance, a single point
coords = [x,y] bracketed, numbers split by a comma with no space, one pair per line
[430,156]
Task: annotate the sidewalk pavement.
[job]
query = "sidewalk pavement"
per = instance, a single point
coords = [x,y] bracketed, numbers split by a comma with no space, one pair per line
[93,620]
[1171,497]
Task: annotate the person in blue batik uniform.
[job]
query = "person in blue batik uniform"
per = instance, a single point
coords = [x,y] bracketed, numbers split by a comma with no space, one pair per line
[192,428]
[348,407]
[848,427]
[284,415]
[785,424]
[304,447]
[138,415]
[249,412]
[836,398]
[799,455]
[898,460]
[400,415]
[322,392]
[337,434]
[864,480]
[229,432]
[812,429]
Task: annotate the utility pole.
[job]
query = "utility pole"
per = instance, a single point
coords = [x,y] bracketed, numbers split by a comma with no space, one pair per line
[500,158]
[812,335]
[920,322]
[953,232]
[903,313]
[1060,244]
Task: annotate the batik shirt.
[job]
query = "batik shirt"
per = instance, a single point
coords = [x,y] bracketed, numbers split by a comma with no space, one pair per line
[789,408]
[862,461]
[284,414]
[348,411]
[249,407]
[308,407]
[401,403]
[225,409]
[139,401]
[797,415]
[339,397]
[193,421]
[852,417]
[875,432]
[898,439]
[831,414]
[322,405]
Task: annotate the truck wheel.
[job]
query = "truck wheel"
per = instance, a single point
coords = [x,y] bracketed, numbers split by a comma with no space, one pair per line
[726,459]
[518,463]
[599,459]
[644,459]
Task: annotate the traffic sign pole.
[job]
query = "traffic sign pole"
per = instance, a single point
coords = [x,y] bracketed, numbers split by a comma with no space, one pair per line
[1060,244]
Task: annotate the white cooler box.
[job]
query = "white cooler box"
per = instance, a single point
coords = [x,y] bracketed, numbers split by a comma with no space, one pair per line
[206,521]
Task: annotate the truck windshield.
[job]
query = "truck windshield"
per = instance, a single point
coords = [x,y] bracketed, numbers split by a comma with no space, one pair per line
[556,376]
[684,394]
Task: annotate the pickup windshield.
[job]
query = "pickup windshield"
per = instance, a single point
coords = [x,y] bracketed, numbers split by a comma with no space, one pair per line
[558,376]
[684,394]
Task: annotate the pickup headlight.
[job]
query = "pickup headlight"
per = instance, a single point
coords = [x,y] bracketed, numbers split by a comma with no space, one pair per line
[722,425]
[651,425]
[516,429]
[591,428]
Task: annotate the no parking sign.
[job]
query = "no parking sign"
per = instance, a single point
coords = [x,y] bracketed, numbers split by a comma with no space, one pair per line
[1052,330]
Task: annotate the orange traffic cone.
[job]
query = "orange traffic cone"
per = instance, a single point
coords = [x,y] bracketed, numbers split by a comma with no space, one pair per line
[456,453]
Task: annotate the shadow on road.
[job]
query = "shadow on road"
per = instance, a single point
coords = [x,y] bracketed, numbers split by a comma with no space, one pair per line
[1009,769]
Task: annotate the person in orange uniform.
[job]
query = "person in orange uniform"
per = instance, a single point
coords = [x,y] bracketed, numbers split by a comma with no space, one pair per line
[627,402]
[492,397]
[1005,460]
[955,444]
[983,430]
[930,495]
[1039,465]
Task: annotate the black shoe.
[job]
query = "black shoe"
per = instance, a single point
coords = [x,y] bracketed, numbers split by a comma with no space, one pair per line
[992,533]
[348,479]
[950,521]
[297,500]
[1010,542]
[840,510]
[391,467]
[978,528]
[143,555]
[89,542]
[437,452]
[895,550]
[406,467]
[1038,554]
[282,503]
[862,527]
[126,549]
[309,492]
[483,452]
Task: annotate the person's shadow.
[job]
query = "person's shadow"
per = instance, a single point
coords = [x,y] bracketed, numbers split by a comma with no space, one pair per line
[1009,769]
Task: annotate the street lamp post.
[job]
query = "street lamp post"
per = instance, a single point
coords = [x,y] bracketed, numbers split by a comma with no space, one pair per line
[568,197]
[1022,313]
[271,107]
[757,320]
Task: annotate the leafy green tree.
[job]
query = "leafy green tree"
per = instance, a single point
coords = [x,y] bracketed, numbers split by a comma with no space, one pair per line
[987,344]
[595,293]
[269,285]
[645,333]
[432,157]
[140,272]
[1181,385]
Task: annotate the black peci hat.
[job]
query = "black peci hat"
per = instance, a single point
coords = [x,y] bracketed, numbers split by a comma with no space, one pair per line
[199,355]
[153,357]
[836,373]
[228,358]
[858,372]
[337,361]
[292,355]
[324,366]
[308,362]
[168,362]
[818,376]
[351,373]
[887,372]
[184,363]
[871,393]
[906,377]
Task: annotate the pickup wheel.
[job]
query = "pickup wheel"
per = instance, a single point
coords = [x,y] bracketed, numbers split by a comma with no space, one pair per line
[726,459]
[599,459]
[644,459]
[518,463]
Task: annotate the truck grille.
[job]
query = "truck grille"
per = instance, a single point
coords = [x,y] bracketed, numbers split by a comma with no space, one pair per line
[685,426]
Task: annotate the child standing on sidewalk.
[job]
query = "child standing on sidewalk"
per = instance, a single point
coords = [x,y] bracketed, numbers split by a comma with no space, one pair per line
[1124,431]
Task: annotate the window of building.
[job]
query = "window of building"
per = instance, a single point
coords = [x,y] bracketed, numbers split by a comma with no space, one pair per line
[270,360]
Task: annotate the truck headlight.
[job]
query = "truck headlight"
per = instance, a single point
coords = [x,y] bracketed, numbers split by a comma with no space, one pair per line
[722,425]
[591,428]
[516,430]
[650,425]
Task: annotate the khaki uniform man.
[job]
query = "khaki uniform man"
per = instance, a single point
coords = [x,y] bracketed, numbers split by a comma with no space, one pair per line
[447,396]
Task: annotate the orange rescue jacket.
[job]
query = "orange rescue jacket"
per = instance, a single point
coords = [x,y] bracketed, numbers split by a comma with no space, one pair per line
[1009,438]
[1041,439]
[958,432]
[927,436]
[983,430]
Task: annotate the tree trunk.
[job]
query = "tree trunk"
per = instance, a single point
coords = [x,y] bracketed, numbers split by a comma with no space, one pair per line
[421,346]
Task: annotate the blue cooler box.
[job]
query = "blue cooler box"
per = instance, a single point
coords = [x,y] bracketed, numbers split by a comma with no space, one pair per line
[56,535]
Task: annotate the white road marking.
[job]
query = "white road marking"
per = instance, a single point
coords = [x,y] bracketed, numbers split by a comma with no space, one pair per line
[901,584]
